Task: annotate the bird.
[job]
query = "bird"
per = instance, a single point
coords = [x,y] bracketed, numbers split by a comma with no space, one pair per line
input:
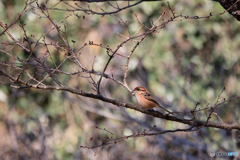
[146,100]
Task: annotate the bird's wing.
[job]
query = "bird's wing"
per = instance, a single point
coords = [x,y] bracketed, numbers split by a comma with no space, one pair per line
[150,98]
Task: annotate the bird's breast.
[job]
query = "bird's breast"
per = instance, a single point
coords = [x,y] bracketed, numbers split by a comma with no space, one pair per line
[145,103]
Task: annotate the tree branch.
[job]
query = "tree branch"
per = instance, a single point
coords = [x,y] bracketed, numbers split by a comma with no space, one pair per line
[126,105]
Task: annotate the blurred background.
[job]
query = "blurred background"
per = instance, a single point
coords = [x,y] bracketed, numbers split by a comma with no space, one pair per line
[188,61]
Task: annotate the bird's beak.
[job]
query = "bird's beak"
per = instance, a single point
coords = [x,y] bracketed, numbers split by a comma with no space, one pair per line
[133,93]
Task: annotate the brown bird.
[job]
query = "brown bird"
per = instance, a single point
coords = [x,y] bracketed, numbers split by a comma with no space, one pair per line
[145,99]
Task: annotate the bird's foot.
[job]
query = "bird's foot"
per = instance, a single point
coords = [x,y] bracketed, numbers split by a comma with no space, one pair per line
[151,110]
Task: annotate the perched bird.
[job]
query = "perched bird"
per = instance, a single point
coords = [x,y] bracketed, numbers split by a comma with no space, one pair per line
[145,99]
